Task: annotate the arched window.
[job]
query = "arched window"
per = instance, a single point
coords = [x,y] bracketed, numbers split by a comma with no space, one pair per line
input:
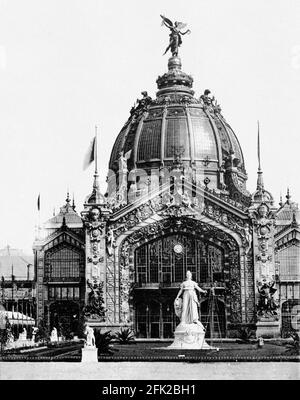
[166,260]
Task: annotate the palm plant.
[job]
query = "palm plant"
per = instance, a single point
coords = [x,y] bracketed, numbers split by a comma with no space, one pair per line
[125,336]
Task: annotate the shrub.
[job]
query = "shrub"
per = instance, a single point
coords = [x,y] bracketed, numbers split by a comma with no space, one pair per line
[81,327]
[103,341]
[125,336]
[5,334]
[245,334]
[43,333]
[293,348]
[3,339]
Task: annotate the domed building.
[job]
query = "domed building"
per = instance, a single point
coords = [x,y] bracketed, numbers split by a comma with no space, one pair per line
[177,127]
[176,201]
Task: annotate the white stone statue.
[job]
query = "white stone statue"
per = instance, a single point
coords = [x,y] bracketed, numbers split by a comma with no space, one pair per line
[189,305]
[34,332]
[10,339]
[90,337]
[23,334]
[54,336]
[189,334]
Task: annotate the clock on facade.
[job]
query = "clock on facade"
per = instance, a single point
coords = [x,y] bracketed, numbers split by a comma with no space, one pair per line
[178,248]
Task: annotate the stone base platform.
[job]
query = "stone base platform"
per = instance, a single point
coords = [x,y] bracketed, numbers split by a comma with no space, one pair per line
[267,328]
[89,354]
[190,336]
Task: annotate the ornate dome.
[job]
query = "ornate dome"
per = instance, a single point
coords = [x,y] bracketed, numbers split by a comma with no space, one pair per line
[177,127]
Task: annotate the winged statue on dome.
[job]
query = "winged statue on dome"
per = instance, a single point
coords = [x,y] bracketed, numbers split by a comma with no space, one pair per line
[175,35]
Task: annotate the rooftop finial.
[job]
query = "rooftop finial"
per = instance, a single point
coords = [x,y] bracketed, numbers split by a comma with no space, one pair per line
[295,223]
[68,197]
[260,182]
[73,203]
[288,196]
[175,40]
[280,201]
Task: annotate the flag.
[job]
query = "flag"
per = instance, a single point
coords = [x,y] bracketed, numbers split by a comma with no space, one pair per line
[90,155]
[38,202]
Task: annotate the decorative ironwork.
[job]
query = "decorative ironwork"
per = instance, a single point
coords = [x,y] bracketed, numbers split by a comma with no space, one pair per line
[148,273]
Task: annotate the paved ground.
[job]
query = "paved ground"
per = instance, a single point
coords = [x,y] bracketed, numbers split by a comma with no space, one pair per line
[149,370]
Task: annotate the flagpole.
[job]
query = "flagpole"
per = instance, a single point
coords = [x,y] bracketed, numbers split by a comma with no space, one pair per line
[38,226]
[96,150]
[12,290]
[96,182]
[39,216]
[258,147]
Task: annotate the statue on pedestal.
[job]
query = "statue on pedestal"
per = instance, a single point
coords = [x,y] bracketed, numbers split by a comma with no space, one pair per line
[189,334]
[23,334]
[189,304]
[89,351]
[34,332]
[175,40]
[54,337]
[90,337]
[267,305]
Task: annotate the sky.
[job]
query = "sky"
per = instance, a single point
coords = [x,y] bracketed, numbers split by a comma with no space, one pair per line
[67,65]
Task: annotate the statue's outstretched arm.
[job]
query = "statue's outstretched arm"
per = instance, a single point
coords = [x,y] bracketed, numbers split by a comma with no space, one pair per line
[199,289]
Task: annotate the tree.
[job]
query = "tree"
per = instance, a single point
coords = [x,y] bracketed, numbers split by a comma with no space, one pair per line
[5,334]
[3,338]
[43,332]
[81,326]
[103,341]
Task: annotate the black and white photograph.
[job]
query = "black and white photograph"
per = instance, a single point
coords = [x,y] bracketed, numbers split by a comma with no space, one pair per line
[150,220]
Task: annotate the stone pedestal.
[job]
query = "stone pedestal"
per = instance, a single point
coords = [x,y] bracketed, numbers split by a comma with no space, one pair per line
[89,354]
[268,329]
[189,336]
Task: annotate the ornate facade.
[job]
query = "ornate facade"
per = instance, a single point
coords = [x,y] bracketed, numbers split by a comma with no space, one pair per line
[176,201]
[60,269]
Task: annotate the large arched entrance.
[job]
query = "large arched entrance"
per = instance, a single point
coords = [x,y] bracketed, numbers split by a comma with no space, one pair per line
[165,261]
[160,267]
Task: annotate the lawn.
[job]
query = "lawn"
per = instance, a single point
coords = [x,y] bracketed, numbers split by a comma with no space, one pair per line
[227,351]
[158,351]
